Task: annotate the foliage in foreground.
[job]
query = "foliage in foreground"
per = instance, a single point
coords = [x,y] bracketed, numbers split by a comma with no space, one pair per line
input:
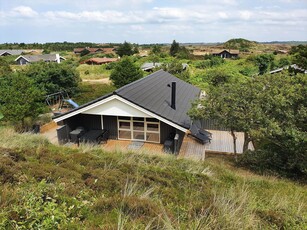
[49,187]
[20,100]
[271,111]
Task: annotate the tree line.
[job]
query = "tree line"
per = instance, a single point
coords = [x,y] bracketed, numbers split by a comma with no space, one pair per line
[54,46]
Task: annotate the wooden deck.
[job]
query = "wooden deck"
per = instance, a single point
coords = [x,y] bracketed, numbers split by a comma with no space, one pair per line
[49,131]
[121,145]
[222,142]
[192,149]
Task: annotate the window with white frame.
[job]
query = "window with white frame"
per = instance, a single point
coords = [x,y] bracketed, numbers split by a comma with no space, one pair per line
[139,128]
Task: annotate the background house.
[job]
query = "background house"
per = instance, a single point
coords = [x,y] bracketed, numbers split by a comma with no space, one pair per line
[150,66]
[226,53]
[95,50]
[26,59]
[99,61]
[10,52]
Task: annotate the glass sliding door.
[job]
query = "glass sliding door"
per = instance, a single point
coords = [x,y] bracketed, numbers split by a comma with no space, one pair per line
[152,132]
[124,128]
[139,128]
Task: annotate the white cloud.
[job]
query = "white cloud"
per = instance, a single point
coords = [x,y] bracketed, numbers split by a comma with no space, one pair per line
[223,15]
[171,15]
[186,18]
[245,15]
[24,11]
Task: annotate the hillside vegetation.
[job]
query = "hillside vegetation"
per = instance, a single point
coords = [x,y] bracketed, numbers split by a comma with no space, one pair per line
[239,44]
[48,187]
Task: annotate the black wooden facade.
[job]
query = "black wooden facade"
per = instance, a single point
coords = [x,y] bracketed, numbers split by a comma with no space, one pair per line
[97,122]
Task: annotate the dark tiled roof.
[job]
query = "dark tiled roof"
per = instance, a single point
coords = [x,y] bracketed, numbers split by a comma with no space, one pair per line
[42,57]
[153,94]
[150,65]
[229,51]
[11,52]
[100,60]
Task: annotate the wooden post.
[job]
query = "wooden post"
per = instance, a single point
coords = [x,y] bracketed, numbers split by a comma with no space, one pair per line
[204,154]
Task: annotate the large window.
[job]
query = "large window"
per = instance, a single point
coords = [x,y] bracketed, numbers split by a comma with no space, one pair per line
[139,128]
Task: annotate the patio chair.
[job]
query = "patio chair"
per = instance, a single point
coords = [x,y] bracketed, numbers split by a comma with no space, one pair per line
[168,145]
[201,135]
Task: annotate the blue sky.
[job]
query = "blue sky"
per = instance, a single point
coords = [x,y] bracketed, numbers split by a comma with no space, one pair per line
[152,21]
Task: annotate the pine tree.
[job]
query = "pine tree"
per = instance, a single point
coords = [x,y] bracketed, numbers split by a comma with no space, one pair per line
[174,48]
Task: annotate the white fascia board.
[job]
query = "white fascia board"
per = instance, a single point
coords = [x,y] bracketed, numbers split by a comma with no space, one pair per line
[85,108]
[126,102]
[22,57]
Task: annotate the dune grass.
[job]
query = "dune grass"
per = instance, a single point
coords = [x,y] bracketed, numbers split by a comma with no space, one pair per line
[93,72]
[47,187]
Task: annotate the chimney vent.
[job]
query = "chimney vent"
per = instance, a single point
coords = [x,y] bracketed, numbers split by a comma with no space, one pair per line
[173,97]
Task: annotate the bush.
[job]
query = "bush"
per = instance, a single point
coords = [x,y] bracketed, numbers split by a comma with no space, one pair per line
[54,77]
[39,208]
[125,72]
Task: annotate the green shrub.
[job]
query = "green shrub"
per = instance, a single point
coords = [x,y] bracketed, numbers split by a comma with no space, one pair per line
[39,208]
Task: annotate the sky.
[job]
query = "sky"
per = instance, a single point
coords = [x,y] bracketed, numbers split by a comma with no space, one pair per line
[152,21]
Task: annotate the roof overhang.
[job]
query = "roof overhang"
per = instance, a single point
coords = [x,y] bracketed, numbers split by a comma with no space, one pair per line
[5,52]
[22,57]
[119,98]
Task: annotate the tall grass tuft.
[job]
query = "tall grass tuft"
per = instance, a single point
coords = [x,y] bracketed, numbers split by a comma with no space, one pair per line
[10,139]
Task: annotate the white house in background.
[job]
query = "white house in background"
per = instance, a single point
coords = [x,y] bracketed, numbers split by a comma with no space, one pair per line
[26,59]
[150,66]
[10,52]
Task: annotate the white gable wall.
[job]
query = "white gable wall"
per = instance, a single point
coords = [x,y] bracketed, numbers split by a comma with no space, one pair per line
[116,107]
[129,108]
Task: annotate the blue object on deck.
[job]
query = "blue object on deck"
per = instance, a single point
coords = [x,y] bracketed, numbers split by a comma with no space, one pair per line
[74,104]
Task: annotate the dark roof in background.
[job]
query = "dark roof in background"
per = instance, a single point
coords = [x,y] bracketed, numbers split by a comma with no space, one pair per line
[229,51]
[11,52]
[153,94]
[150,65]
[42,57]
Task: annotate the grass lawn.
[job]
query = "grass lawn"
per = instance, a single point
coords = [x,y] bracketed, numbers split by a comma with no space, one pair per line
[93,72]
[50,187]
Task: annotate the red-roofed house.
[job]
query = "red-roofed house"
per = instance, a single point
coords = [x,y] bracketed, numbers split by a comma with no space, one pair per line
[99,61]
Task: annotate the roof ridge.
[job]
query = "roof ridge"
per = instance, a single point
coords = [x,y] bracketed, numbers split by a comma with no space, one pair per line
[141,79]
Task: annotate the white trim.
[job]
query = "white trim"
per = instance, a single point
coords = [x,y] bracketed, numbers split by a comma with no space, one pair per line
[22,57]
[116,108]
[126,102]
[5,52]
[101,121]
